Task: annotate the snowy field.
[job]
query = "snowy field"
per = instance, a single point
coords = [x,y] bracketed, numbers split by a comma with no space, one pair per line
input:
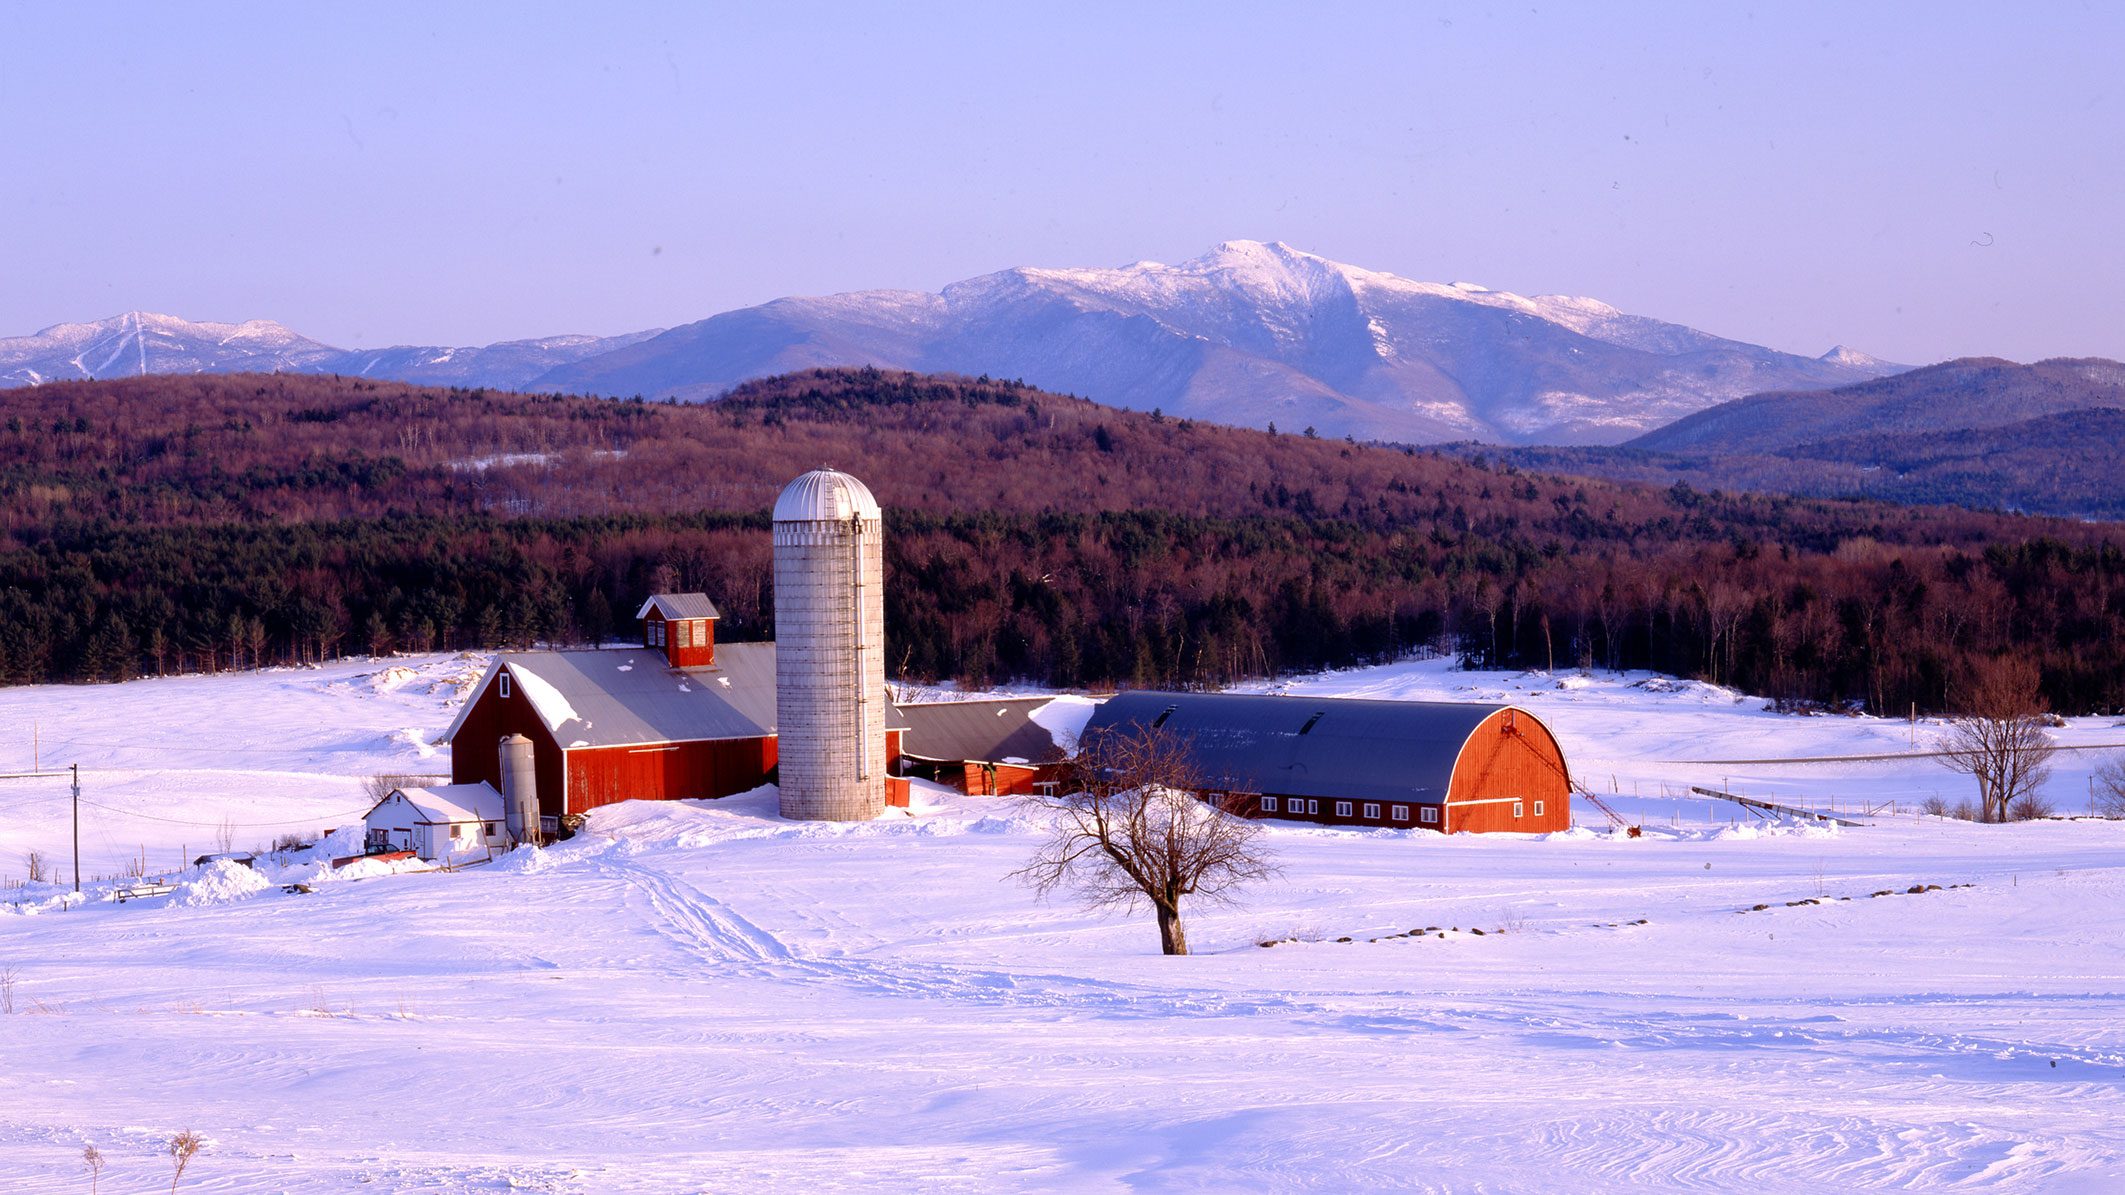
[699,996]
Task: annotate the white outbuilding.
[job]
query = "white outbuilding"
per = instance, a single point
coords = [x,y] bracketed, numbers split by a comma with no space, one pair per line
[440,824]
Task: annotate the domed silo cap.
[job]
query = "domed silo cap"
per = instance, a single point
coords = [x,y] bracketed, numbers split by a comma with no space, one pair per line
[825,495]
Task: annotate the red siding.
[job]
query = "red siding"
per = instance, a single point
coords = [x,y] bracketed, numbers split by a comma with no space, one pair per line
[476,750]
[666,772]
[1001,780]
[1510,760]
[659,635]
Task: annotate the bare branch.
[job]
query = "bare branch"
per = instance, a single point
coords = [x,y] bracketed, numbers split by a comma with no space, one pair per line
[1134,830]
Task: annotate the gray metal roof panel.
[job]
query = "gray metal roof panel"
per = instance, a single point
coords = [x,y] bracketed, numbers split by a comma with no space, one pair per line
[990,731]
[627,696]
[680,605]
[1356,749]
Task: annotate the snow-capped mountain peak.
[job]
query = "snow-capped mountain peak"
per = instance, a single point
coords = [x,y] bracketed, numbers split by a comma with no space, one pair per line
[1250,333]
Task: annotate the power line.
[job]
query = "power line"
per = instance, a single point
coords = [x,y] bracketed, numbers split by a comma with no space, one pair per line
[178,821]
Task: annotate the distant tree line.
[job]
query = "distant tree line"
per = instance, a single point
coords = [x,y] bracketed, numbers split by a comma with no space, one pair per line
[1032,536]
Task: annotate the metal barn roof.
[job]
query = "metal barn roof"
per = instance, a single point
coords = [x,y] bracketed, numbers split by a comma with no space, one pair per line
[679,605]
[632,696]
[1339,747]
[992,731]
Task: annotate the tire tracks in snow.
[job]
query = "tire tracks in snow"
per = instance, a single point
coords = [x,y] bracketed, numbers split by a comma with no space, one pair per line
[712,932]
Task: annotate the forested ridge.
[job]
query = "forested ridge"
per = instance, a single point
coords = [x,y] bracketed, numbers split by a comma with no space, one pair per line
[189,523]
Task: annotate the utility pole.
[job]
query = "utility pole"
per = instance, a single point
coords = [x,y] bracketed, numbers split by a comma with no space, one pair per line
[76,768]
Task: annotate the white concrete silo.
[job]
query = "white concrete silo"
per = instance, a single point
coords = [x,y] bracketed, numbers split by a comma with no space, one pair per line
[830,649]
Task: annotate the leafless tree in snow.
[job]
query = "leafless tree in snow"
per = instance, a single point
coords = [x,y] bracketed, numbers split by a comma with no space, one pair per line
[1134,831]
[2110,787]
[1999,738]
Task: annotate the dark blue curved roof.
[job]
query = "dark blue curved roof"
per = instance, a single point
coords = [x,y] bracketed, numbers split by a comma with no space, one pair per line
[1342,747]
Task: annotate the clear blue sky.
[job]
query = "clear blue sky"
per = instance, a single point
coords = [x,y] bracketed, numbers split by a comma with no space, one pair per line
[1918,181]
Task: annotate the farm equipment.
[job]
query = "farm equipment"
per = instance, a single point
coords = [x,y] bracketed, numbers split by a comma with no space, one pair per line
[1616,821]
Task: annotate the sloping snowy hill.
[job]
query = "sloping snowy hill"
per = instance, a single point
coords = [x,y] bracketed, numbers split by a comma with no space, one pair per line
[700,996]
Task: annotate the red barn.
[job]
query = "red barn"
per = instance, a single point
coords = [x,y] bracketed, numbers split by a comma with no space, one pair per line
[633,724]
[984,748]
[1433,765]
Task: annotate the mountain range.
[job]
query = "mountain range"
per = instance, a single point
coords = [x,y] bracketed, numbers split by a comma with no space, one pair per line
[2047,437]
[1249,334]
[139,343]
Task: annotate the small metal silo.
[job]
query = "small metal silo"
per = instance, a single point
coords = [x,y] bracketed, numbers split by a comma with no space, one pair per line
[830,649]
[520,790]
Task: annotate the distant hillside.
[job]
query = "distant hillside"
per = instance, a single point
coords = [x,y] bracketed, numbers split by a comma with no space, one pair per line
[2047,438]
[1248,335]
[178,524]
[1969,394]
[141,344]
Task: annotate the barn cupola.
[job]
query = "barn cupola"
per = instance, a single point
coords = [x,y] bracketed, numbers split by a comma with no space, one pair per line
[682,626]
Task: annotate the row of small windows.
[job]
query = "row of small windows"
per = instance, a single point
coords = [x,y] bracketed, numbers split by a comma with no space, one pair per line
[1307,805]
[1427,814]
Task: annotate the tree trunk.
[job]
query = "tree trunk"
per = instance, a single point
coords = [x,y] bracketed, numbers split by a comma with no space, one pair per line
[1172,938]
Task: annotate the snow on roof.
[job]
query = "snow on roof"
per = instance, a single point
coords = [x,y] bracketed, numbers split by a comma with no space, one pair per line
[1310,746]
[547,701]
[449,803]
[999,730]
[1065,719]
[632,696]
[679,605]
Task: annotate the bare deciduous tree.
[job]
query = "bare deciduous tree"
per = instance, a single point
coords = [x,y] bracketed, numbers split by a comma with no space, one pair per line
[40,870]
[1134,831]
[2110,787]
[383,784]
[1999,738]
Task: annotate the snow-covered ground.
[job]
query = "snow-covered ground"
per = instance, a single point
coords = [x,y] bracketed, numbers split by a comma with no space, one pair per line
[699,996]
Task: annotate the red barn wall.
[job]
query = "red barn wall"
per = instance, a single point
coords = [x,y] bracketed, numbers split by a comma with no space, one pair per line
[1250,805]
[476,749]
[1000,780]
[1511,757]
[666,771]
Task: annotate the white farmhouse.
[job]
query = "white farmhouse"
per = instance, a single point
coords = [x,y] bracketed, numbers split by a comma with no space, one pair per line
[449,821]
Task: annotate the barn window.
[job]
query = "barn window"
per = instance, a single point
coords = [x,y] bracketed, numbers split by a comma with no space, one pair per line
[1517,811]
[686,634]
[1372,811]
[1429,815]
[505,684]
[1401,813]
[1342,809]
[1268,804]
[1538,809]
[488,829]
[1313,806]
[656,634]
